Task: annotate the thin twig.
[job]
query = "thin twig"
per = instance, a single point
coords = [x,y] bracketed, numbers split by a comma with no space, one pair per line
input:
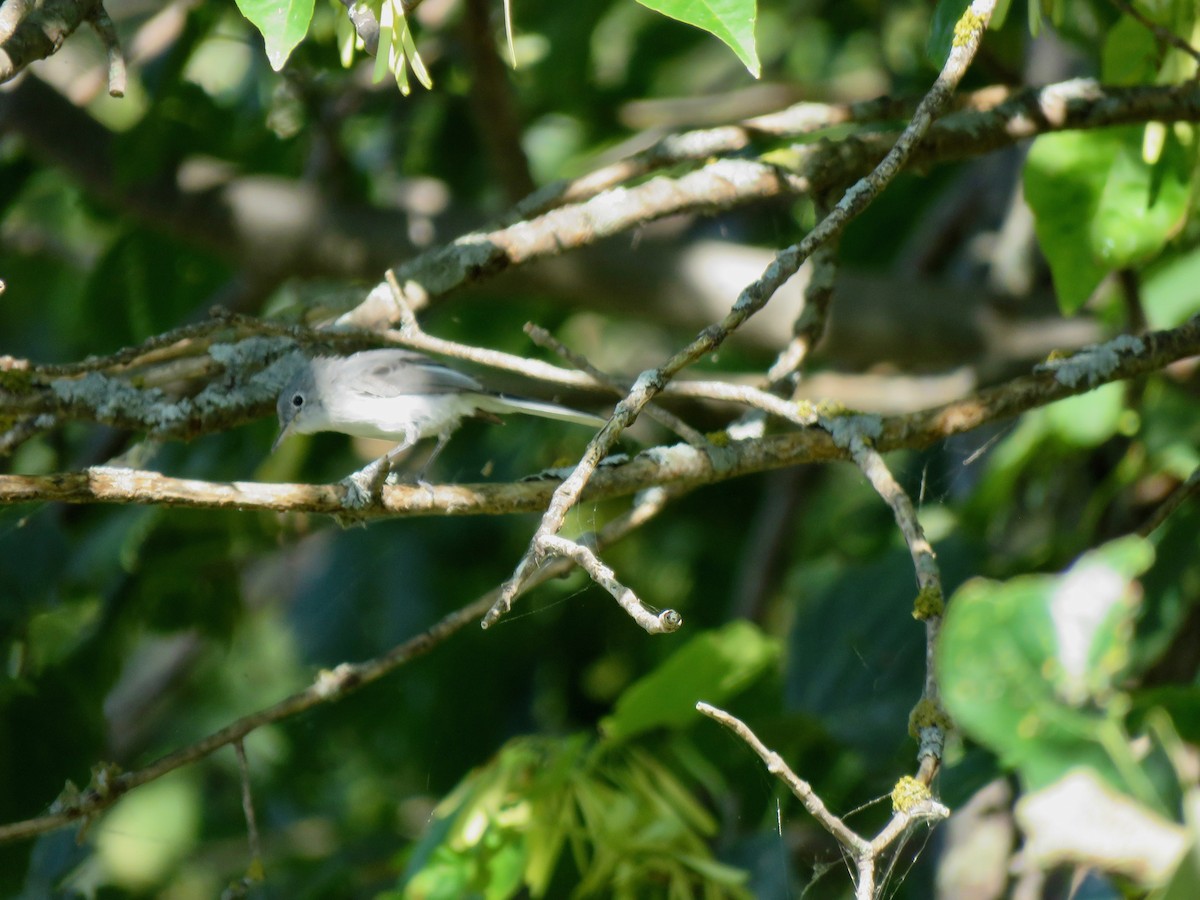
[809,327]
[865,853]
[870,461]
[103,25]
[1182,493]
[1161,34]
[929,725]
[802,790]
[663,622]
[255,870]
[667,419]
[755,296]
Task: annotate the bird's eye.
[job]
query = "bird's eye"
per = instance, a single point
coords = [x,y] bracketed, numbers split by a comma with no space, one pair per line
[297,400]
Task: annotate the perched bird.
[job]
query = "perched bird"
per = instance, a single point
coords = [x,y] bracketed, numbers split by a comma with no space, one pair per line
[396,395]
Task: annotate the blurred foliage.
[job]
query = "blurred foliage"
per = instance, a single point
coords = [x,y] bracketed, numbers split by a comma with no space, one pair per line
[559,754]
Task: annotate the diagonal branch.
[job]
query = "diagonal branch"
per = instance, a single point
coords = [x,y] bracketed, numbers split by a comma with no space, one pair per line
[968,35]
[911,803]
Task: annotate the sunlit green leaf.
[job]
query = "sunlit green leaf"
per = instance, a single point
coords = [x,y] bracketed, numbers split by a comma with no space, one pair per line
[732,21]
[1142,206]
[1130,55]
[1064,178]
[1086,420]
[1171,291]
[1100,206]
[283,24]
[1017,659]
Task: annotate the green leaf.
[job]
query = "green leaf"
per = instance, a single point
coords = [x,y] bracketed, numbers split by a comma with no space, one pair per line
[1099,205]
[1142,206]
[283,24]
[1185,883]
[712,666]
[941,29]
[998,666]
[1092,607]
[732,21]
[1130,55]
[1171,293]
[1064,178]
[1022,662]
[150,831]
[1080,817]
[1087,420]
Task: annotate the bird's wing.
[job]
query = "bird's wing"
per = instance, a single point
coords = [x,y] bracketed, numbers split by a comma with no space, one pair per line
[393,373]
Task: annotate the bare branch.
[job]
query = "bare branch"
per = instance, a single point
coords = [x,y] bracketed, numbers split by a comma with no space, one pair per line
[802,790]
[102,24]
[696,146]
[255,869]
[929,721]
[912,803]
[663,622]
[543,338]
[1182,493]
[366,26]
[1163,35]
[809,326]
[325,237]
[869,460]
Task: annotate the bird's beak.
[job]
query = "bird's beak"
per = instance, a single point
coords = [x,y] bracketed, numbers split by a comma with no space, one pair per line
[284,433]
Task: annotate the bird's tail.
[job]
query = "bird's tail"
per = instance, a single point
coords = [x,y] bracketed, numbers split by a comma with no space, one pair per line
[504,403]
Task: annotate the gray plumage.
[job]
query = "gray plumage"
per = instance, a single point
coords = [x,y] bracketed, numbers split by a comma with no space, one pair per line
[397,395]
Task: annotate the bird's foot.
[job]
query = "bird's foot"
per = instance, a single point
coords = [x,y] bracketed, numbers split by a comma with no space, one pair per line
[364,489]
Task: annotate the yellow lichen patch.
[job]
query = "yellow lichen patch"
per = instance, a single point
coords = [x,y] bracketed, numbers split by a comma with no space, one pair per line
[928,714]
[929,603]
[969,24]
[907,793]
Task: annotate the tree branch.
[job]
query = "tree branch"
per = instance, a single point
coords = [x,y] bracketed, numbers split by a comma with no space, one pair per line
[753,297]
[910,804]
[680,465]
[814,168]
[34,29]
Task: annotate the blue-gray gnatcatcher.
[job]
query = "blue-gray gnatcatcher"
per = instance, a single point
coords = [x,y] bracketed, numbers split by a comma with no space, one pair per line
[396,395]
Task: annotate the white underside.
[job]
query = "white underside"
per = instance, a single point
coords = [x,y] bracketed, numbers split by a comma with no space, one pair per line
[408,418]
[404,419]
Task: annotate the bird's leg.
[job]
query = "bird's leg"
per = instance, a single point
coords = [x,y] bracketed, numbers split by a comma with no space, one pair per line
[442,440]
[364,488]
